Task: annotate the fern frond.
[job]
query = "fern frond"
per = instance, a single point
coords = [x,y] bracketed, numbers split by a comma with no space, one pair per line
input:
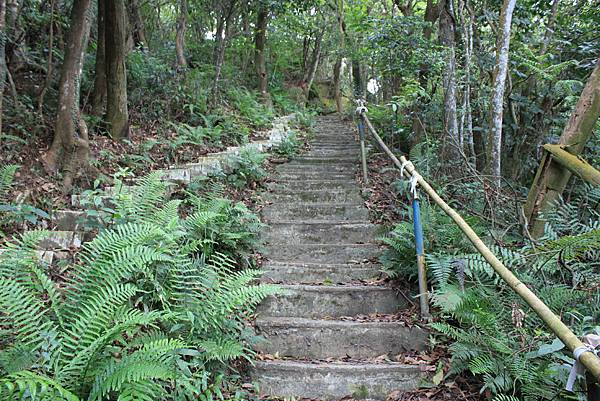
[29,385]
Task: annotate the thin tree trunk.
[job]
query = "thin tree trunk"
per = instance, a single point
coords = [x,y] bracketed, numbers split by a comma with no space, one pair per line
[552,178]
[70,144]
[180,35]
[223,26]
[357,79]
[117,114]
[49,63]
[2,57]
[99,92]
[549,27]
[500,72]
[339,63]
[260,37]
[467,116]
[309,75]
[450,140]
[138,29]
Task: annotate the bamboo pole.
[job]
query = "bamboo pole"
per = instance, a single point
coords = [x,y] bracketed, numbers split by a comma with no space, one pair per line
[574,164]
[561,330]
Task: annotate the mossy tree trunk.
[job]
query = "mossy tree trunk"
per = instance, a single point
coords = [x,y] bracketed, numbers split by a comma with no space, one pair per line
[117,114]
[551,177]
[180,34]
[70,147]
[447,35]
[260,39]
[99,92]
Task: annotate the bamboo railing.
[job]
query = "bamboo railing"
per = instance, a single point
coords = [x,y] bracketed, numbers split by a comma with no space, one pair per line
[590,360]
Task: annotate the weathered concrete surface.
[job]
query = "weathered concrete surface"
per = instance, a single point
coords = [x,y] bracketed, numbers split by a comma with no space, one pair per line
[311,175]
[69,220]
[331,300]
[321,339]
[318,233]
[310,185]
[324,253]
[290,272]
[319,196]
[333,381]
[315,211]
[61,240]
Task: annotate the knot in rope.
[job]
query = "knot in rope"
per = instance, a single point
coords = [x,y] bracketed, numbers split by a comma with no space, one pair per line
[591,342]
[403,166]
[361,108]
[414,180]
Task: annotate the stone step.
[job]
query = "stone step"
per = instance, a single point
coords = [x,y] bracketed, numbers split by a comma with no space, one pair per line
[315,175]
[318,196]
[317,301]
[311,273]
[312,160]
[285,232]
[318,169]
[316,211]
[295,185]
[57,240]
[69,220]
[333,380]
[322,339]
[324,253]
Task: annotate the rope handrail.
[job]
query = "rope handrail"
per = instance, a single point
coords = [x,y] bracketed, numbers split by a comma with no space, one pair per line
[582,352]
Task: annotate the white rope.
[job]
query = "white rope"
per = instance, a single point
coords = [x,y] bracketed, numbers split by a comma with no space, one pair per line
[414,180]
[591,342]
[361,107]
[403,165]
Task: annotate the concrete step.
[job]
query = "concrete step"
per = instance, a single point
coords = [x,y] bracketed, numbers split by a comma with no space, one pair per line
[309,185]
[317,301]
[289,272]
[317,160]
[322,339]
[318,169]
[69,220]
[318,196]
[333,380]
[324,253]
[286,232]
[62,240]
[315,175]
[316,211]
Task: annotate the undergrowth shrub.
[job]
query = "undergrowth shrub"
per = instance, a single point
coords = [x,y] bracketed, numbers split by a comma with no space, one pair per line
[147,312]
[246,168]
[289,146]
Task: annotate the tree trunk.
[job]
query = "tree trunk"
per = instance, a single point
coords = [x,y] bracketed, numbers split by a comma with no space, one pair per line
[450,141]
[49,62]
[337,84]
[551,178]
[223,26]
[117,114]
[466,125]
[260,37]
[99,93]
[138,30]
[70,144]
[500,72]
[309,75]
[2,57]
[180,35]
[357,79]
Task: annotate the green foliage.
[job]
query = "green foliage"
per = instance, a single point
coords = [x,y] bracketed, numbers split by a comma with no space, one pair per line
[289,146]
[246,168]
[15,214]
[150,311]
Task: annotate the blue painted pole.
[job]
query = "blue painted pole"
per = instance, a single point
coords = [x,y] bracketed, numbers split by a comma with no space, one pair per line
[422,274]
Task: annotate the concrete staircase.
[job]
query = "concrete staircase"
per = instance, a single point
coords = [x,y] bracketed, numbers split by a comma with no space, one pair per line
[321,247]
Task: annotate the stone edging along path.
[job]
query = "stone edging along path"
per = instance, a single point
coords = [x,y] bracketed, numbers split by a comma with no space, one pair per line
[68,231]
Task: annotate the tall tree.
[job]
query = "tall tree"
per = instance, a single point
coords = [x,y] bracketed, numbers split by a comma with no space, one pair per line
[260,38]
[117,113]
[70,146]
[136,24]
[497,102]
[311,70]
[225,14]
[552,178]
[99,92]
[450,141]
[180,34]
[338,66]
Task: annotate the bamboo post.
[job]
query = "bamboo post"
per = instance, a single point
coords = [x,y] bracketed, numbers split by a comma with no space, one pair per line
[561,330]
[574,163]
[421,272]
